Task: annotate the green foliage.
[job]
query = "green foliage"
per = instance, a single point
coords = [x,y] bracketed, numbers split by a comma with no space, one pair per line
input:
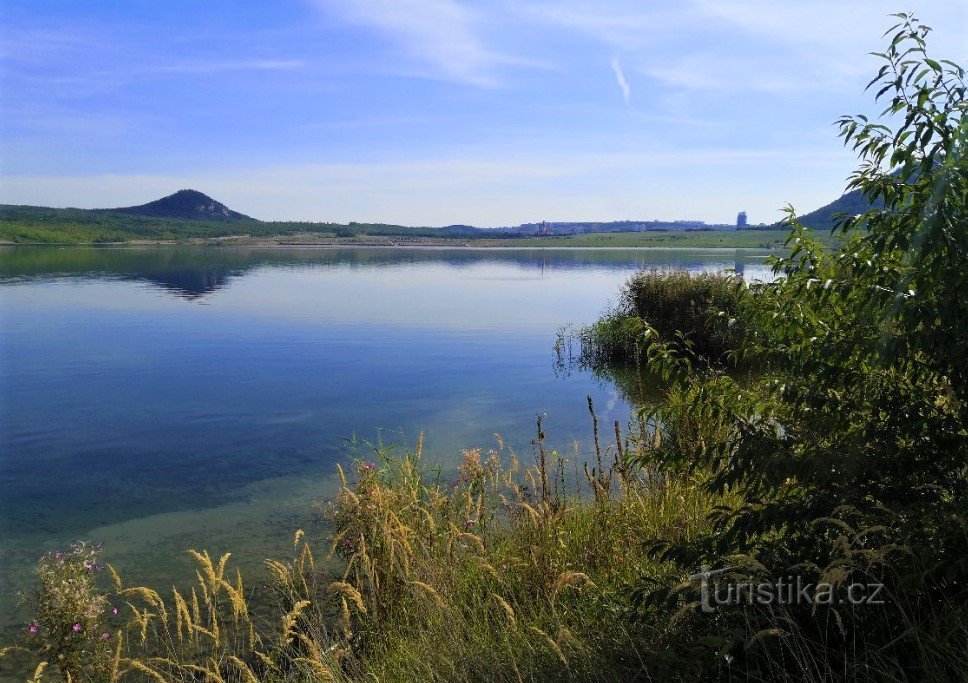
[850,450]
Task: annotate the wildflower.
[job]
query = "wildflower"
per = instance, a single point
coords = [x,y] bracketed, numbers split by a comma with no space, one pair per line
[77,628]
[33,628]
[89,566]
[57,554]
[105,635]
[114,611]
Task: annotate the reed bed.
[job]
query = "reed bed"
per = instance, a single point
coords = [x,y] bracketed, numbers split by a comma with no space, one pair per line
[698,312]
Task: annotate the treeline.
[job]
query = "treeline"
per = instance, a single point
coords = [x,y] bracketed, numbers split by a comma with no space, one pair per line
[33,224]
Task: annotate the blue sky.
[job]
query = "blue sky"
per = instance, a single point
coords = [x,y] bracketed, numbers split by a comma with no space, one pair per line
[431,112]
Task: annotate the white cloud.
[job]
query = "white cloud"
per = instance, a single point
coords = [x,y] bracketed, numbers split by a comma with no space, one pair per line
[441,36]
[630,25]
[620,78]
[765,45]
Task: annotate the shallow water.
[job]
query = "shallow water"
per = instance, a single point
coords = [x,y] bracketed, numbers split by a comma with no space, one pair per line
[163,398]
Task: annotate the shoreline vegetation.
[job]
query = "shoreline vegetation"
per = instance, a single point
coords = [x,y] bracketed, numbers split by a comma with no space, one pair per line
[691,239]
[839,463]
[695,312]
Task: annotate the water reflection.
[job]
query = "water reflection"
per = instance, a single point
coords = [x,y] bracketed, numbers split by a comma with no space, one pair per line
[193,272]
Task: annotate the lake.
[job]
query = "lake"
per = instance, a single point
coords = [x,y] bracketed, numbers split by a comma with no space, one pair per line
[164,398]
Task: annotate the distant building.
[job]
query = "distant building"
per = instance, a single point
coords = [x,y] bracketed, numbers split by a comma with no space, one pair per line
[741,220]
[544,230]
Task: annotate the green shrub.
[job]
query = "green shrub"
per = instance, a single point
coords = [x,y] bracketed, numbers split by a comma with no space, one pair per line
[695,311]
[850,448]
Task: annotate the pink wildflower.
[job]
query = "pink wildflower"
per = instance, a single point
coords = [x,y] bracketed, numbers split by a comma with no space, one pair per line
[77,628]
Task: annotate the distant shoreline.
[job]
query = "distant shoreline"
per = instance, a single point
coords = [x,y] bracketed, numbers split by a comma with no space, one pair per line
[428,247]
[693,239]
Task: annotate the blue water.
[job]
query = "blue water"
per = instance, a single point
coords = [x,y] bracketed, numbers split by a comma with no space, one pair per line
[171,397]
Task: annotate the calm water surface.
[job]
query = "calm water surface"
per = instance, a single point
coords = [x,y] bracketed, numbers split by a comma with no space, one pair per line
[165,398]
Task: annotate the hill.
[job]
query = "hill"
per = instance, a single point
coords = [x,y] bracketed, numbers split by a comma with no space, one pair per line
[185,205]
[850,203]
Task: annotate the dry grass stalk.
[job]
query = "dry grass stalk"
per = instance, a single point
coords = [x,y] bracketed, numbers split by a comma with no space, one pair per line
[506,608]
[290,619]
[550,642]
[348,591]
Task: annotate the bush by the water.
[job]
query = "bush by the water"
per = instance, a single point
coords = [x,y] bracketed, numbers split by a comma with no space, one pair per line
[696,311]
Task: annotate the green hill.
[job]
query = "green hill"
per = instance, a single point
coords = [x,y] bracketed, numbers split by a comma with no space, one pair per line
[850,203]
[185,205]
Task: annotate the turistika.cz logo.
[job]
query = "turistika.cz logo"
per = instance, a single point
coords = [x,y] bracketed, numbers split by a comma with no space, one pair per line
[785,591]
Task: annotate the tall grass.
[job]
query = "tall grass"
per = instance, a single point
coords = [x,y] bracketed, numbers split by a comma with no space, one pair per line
[505,573]
[510,571]
[696,312]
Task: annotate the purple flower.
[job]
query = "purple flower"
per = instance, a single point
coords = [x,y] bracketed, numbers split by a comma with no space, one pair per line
[57,554]
[77,628]
[89,566]
[105,635]
[33,628]
[114,611]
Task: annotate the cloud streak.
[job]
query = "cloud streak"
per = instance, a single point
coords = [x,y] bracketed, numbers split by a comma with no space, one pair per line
[620,79]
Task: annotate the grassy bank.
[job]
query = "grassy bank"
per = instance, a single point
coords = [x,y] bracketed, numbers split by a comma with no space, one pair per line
[242,234]
[33,225]
[732,239]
